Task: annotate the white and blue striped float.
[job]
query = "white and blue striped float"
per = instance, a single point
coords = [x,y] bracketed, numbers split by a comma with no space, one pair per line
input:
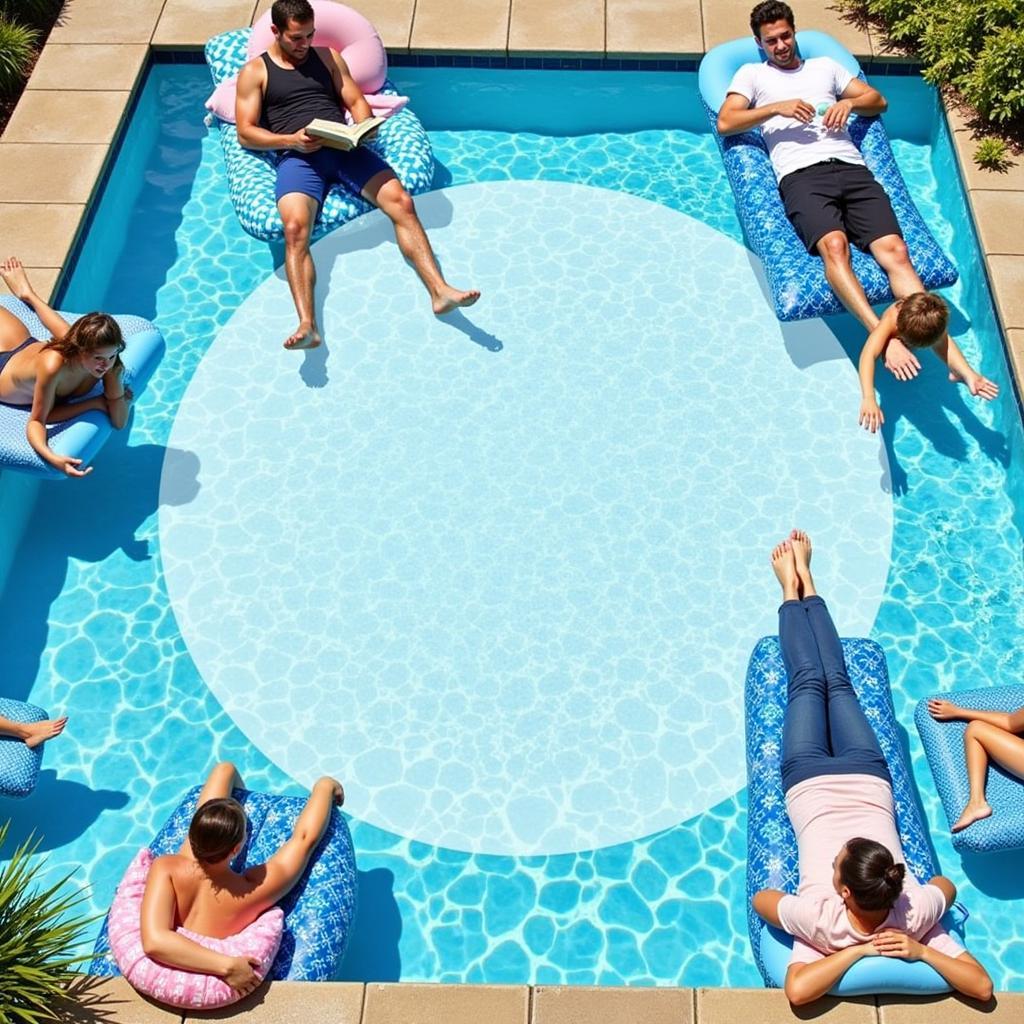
[772,860]
[401,140]
[83,436]
[320,909]
[796,279]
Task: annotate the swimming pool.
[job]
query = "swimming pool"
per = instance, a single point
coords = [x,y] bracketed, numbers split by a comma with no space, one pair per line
[586,493]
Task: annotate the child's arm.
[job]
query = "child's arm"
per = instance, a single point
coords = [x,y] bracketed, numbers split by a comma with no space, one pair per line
[48,368]
[960,370]
[871,417]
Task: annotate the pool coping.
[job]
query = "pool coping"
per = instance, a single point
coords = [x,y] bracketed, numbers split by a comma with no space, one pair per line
[55,150]
[113,1001]
[53,158]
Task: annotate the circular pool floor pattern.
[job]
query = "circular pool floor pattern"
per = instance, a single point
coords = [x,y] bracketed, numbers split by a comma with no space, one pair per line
[502,572]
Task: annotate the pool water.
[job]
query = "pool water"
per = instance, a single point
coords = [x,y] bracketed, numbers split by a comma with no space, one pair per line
[929,564]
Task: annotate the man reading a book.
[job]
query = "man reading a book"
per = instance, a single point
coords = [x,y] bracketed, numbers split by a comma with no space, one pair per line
[279,94]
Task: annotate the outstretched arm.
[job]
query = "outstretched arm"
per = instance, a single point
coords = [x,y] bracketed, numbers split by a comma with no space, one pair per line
[946,711]
[43,398]
[807,982]
[871,417]
[960,370]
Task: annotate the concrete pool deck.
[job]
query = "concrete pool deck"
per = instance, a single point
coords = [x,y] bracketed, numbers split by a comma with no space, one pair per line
[52,158]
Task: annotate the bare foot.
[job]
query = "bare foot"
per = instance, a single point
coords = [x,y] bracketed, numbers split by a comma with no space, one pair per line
[785,569]
[305,336]
[802,557]
[16,279]
[972,812]
[451,298]
[40,732]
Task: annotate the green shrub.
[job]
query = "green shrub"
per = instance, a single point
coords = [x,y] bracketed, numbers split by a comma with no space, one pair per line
[17,50]
[992,154]
[38,932]
[995,84]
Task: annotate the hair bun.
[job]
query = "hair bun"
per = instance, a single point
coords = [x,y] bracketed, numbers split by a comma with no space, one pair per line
[894,873]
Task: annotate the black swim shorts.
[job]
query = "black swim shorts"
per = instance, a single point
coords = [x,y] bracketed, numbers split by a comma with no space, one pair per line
[836,196]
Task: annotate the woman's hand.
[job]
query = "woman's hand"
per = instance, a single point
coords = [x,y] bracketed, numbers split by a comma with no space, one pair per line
[69,465]
[943,710]
[241,975]
[870,417]
[897,944]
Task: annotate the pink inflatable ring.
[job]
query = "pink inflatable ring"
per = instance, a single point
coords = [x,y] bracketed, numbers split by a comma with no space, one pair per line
[342,29]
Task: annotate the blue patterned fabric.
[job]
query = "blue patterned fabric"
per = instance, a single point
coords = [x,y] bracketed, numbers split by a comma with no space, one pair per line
[83,436]
[19,765]
[944,747]
[400,140]
[320,909]
[771,844]
[796,279]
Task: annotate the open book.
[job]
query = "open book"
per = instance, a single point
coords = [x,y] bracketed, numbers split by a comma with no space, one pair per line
[343,136]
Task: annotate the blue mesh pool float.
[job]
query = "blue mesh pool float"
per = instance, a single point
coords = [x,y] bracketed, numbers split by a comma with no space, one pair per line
[19,765]
[85,435]
[771,844]
[944,748]
[401,140]
[320,909]
[796,279]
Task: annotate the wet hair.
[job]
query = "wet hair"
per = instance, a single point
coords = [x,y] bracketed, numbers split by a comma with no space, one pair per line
[284,11]
[217,828]
[922,320]
[874,879]
[87,334]
[767,12]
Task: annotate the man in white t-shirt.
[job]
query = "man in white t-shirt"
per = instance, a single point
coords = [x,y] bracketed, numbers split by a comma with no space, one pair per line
[831,198]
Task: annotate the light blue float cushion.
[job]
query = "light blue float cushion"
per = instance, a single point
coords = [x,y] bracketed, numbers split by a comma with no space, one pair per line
[19,765]
[83,436]
[401,141]
[796,279]
[944,747]
[772,861]
[320,909]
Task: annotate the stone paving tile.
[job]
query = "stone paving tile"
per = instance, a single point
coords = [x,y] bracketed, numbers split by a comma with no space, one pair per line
[39,235]
[1015,347]
[729,19]
[44,280]
[571,27]
[578,1004]
[44,115]
[49,173]
[654,27]
[98,21]
[89,66]
[999,217]
[474,26]
[293,1002]
[191,22]
[1007,276]
[446,1004]
[1006,1008]
[113,1001]
[770,1006]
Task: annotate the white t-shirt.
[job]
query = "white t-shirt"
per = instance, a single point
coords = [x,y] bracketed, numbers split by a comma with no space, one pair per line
[820,81]
[826,811]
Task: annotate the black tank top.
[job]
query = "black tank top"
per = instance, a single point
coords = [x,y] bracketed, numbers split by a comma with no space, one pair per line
[294,98]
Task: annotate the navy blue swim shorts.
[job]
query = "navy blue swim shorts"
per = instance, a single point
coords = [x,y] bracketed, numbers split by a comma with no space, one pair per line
[313,174]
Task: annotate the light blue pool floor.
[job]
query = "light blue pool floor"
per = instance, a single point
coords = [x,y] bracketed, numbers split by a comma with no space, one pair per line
[94,635]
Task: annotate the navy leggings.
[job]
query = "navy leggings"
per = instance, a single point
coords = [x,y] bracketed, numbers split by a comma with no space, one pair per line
[825,731]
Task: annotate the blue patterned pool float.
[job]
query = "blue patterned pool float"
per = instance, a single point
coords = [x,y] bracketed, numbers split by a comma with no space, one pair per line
[796,279]
[771,843]
[83,436]
[944,748]
[401,140]
[320,909]
[19,765]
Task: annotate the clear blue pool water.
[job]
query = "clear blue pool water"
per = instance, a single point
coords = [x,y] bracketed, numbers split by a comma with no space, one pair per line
[89,627]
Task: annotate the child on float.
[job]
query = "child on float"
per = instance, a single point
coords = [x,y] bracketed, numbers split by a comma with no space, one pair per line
[919,321]
[196,888]
[855,898]
[47,376]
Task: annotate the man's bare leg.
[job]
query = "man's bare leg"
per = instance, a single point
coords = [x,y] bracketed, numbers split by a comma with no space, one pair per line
[834,249]
[13,273]
[298,214]
[386,192]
